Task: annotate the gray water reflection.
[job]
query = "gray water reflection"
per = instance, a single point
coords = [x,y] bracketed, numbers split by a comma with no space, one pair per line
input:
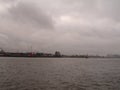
[59,74]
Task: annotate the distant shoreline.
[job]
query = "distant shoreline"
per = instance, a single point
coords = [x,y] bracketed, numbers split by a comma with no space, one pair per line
[56,57]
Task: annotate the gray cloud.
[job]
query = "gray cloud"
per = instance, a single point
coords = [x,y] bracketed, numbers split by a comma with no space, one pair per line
[71,26]
[27,13]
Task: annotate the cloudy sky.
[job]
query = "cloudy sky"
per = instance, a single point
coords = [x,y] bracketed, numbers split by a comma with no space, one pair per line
[69,26]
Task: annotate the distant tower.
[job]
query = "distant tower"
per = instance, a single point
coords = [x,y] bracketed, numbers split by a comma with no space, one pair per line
[57,54]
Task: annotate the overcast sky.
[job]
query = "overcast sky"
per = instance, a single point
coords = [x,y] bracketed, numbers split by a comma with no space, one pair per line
[69,26]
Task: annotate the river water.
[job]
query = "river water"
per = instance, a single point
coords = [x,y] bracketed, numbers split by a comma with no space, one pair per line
[59,74]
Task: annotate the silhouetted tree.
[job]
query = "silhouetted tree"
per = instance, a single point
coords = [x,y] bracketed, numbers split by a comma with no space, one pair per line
[57,54]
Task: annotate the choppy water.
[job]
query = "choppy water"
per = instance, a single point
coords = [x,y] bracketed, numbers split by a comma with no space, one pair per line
[59,74]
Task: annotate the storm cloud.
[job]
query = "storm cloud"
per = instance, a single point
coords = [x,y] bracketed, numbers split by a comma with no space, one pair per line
[70,26]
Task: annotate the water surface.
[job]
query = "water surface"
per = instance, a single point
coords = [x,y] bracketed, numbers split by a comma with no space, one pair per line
[59,74]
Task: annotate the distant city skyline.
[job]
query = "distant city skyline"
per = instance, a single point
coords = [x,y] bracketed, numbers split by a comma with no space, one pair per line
[68,26]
